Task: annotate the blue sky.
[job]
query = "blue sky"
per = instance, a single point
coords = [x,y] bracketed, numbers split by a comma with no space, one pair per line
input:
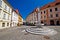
[27,6]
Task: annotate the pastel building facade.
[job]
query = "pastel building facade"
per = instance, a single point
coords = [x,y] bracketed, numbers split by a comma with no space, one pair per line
[32,17]
[14,19]
[5,14]
[50,13]
[20,19]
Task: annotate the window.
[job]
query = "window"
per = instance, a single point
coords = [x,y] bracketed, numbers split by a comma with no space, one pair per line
[51,15]
[0,3]
[0,12]
[5,7]
[15,14]
[3,24]
[41,12]
[50,10]
[57,3]
[56,15]
[4,16]
[48,5]
[44,16]
[44,11]
[9,10]
[56,9]
[8,17]
[7,24]
[41,21]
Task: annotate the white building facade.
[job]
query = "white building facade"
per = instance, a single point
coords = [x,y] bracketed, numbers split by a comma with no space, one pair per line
[5,14]
[14,18]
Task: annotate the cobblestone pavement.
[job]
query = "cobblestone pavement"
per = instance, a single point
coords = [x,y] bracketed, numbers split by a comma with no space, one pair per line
[18,33]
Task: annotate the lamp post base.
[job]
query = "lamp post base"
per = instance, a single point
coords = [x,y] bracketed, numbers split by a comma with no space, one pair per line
[39,26]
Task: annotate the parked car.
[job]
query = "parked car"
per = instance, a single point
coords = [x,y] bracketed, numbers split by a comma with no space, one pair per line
[42,24]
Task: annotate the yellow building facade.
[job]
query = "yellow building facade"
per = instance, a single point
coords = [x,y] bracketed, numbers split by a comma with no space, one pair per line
[20,20]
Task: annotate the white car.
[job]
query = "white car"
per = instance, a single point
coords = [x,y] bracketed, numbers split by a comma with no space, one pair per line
[42,24]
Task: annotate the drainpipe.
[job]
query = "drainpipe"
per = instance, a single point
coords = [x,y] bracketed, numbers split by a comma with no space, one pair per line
[39,18]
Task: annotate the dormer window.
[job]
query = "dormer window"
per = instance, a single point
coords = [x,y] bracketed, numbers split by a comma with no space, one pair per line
[57,3]
[48,5]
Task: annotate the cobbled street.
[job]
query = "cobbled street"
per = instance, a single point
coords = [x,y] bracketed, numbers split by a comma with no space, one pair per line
[18,33]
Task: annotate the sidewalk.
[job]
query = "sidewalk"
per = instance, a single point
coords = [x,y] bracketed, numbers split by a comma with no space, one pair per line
[6,29]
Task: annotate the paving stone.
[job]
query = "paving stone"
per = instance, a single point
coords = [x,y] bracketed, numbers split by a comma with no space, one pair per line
[17,34]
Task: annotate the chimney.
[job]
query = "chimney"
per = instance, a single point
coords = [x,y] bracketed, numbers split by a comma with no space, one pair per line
[17,10]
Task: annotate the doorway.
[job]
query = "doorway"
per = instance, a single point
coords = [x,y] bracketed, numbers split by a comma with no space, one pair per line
[57,23]
[51,22]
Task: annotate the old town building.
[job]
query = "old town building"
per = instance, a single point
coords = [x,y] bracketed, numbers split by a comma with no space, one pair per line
[5,14]
[20,19]
[8,16]
[32,17]
[50,13]
[14,19]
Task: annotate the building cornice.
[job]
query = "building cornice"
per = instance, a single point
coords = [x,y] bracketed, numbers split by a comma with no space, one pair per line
[8,4]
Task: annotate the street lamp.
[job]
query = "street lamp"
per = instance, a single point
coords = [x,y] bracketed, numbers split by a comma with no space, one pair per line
[39,18]
[39,30]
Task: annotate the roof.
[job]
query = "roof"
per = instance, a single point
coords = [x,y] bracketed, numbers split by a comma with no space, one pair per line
[50,4]
[8,3]
[18,12]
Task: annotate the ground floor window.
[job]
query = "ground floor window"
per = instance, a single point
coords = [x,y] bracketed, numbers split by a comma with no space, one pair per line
[57,23]
[41,21]
[51,22]
[7,24]
[34,22]
[3,24]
